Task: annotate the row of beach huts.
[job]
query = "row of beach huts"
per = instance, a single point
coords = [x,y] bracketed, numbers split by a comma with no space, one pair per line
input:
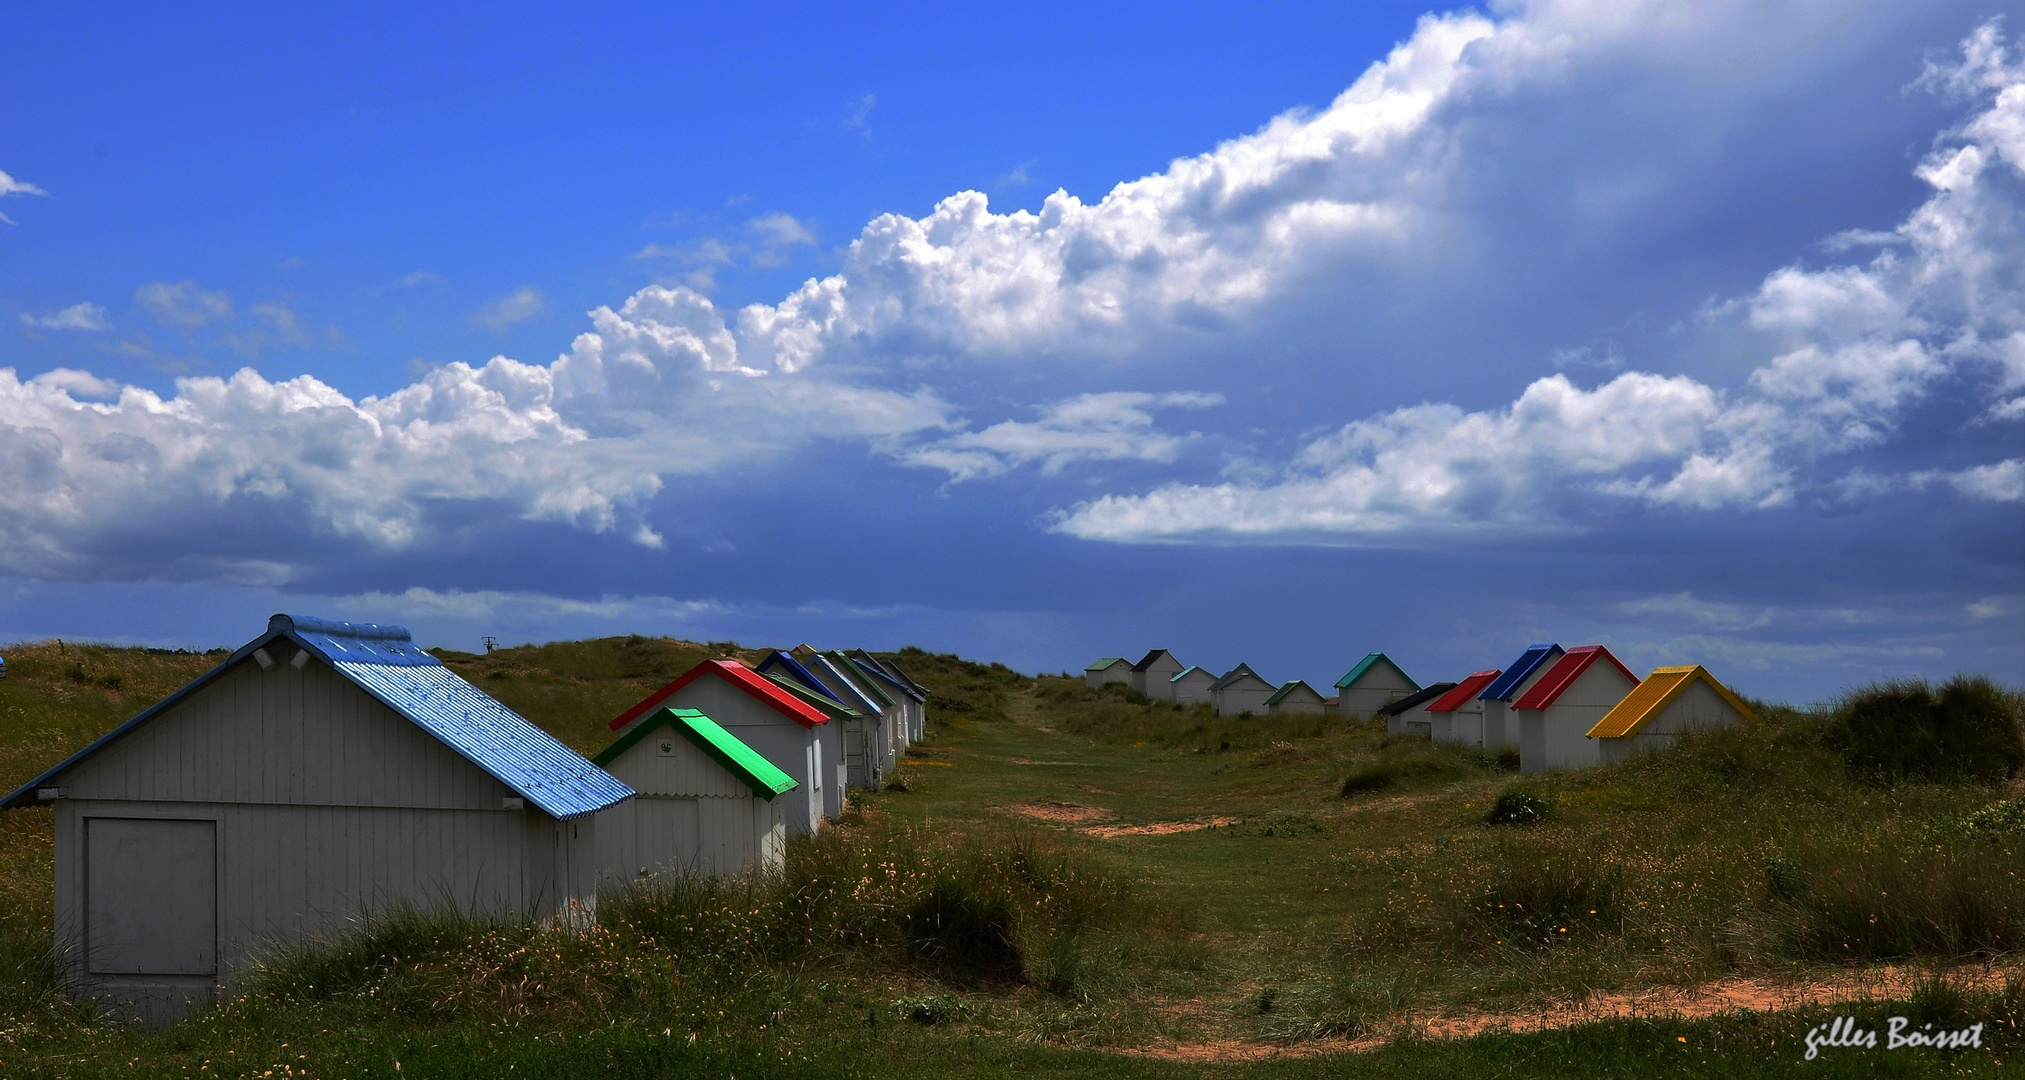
[1558,708]
[327,771]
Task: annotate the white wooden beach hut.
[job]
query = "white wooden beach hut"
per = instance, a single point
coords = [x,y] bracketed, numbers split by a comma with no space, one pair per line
[1671,701]
[1501,727]
[1458,715]
[1152,676]
[911,702]
[1191,686]
[1294,698]
[1557,714]
[894,714]
[323,772]
[1108,669]
[1371,685]
[862,765]
[798,738]
[707,804]
[879,741]
[1410,716]
[1241,691]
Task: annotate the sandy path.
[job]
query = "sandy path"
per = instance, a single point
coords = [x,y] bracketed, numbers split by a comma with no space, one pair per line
[1686,1003]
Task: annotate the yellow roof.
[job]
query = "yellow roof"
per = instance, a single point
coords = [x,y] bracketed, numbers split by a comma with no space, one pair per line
[1658,690]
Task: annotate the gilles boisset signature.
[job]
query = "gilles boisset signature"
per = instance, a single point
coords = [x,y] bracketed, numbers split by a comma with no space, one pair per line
[1842,1031]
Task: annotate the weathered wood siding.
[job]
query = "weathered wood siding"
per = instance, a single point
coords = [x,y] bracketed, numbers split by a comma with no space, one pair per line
[813,756]
[692,817]
[307,737]
[1557,737]
[1247,695]
[1381,685]
[1193,687]
[1697,708]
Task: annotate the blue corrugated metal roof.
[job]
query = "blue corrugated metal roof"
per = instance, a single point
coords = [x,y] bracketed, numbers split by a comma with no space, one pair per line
[793,669]
[1504,686]
[384,662]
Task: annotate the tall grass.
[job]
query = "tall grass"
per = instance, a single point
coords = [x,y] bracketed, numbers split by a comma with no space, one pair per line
[1002,909]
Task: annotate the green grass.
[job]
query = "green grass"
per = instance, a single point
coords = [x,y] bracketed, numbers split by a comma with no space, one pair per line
[1330,880]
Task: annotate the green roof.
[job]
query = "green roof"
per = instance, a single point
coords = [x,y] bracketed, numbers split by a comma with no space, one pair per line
[828,705]
[864,677]
[1104,662]
[1365,664]
[1283,691]
[762,776]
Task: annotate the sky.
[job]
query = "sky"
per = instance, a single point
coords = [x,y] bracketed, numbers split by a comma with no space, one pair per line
[1696,329]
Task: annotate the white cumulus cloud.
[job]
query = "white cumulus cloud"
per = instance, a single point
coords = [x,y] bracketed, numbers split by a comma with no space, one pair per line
[1855,346]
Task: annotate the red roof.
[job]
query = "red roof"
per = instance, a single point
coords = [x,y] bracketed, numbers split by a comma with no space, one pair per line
[737,674]
[1563,674]
[1464,691]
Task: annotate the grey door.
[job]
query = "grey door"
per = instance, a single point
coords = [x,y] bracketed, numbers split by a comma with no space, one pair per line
[151,896]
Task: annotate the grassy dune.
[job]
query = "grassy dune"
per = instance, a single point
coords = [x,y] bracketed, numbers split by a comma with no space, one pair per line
[1077,882]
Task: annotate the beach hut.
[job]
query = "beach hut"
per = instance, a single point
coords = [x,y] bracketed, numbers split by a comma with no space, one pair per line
[911,700]
[1191,687]
[1670,701]
[1294,698]
[919,692]
[874,738]
[1409,715]
[1241,691]
[893,714]
[1108,669]
[862,765]
[797,737]
[322,772]
[1372,685]
[707,804]
[1458,716]
[1501,728]
[1556,715]
[866,737]
[1152,676]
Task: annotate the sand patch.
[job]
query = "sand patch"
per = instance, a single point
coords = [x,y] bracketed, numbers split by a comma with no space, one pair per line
[1067,813]
[1030,761]
[1673,1002]
[1158,828]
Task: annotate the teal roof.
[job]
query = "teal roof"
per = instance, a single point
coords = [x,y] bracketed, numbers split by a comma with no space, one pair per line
[1364,665]
[1281,694]
[1104,662]
[762,776]
[1177,678]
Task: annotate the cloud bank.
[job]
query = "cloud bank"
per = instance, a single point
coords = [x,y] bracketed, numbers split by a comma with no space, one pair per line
[1390,179]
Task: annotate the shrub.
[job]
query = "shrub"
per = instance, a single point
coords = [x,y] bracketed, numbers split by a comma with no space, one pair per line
[1906,897]
[1783,878]
[1376,776]
[1904,729]
[2005,818]
[965,932]
[932,1009]
[1515,807]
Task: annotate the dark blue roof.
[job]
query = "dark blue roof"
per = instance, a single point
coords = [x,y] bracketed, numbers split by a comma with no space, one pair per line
[793,669]
[384,662]
[1504,686]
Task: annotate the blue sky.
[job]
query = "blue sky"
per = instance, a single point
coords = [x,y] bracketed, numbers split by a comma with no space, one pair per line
[1697,329]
